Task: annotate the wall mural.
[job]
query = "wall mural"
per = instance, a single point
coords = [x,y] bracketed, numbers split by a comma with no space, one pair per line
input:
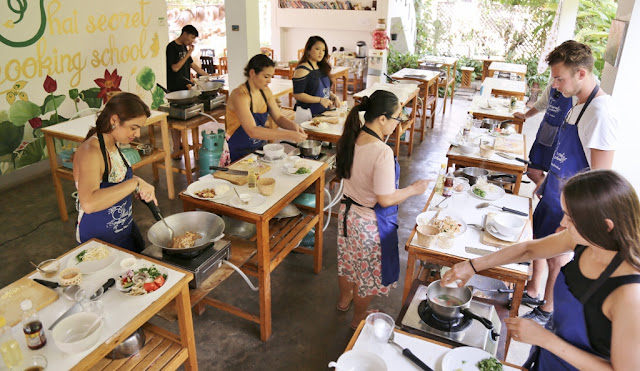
[62,58]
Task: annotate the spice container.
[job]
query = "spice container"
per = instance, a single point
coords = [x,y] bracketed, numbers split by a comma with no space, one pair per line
[447,189]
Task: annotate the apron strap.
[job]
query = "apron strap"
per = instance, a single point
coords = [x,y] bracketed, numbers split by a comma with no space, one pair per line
[371,132]
[246,83]
[103,149]
[613,265]
[586,104]
[348,201]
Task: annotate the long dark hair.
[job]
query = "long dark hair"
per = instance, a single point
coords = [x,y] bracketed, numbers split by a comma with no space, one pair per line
[323,65]
[257,63]
[126,106]
[380,103]
[596,195]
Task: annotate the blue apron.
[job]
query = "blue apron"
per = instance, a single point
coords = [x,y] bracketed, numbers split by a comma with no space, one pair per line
[115,224]
[387,218]
[547,138]
[568,322]
[568,160]
[322,90]
[240,144]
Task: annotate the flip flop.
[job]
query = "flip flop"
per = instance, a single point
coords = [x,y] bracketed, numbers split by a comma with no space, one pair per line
[344,309]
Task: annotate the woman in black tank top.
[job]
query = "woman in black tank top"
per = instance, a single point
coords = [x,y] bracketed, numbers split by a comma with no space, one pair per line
[597,294]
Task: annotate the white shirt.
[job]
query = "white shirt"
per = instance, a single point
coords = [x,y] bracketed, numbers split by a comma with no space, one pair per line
[598,126]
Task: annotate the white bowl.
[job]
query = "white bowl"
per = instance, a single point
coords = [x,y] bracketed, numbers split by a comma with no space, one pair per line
[468,148]
[359,360]
[507,224]
[128,263]
[74,324]
[273,150]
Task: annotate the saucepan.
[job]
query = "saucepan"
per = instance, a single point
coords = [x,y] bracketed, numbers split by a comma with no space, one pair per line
[181,96]
[492,124]
[308,148]
[473,173]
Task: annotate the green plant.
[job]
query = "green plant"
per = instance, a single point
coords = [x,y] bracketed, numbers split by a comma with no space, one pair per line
[397,61]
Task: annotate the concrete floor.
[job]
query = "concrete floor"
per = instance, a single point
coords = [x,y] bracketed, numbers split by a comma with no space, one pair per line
[308,331]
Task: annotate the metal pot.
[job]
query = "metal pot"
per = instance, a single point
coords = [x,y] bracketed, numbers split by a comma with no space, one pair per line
[473,173]
[492,124]
[129,346]
[308,148]
[210,87]
[180,96]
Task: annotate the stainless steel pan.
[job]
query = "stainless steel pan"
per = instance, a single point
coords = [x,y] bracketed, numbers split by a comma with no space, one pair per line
[181,96]
[308,148]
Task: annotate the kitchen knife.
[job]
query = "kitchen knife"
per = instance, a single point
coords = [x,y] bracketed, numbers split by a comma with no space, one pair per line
[483,252]
[110,282]
[76,308]
[229,171]
[517,212]
[509,157]
[49,284]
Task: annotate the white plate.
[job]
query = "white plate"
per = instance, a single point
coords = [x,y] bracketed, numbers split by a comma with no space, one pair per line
[494,232]
[495,193]
[93,266]
[323,126]
[425,217]
[255,201]
[287,170]
[221,186]
[464,359]
[140,264]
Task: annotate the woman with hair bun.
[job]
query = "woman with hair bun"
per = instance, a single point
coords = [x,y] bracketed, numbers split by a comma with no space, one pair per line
[595,325]
[368,259]
[104,178]
[248,108]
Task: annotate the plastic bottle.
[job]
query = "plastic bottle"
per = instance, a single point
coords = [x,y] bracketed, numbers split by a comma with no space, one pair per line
[32,327]
[440,180]
[9,347]
[466,131]
[252,178]
[447,189]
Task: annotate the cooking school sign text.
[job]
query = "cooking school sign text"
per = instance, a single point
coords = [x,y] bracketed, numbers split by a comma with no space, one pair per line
[68,42]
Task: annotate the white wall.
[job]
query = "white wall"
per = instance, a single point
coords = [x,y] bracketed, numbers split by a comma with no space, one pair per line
[405,11]
[624,92]
[244,43]
[293,39]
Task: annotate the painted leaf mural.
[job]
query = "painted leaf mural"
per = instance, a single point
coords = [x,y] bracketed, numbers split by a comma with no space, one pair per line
[52,102]
[22,111]
[158,98]
[10,137]
[146,78]
[90,97]
[32,153]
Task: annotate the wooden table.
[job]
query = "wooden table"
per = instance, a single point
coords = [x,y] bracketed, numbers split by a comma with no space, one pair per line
[406,100]
[450,64]
[428,83]
[495,162]
[518,69]
[76,130]
[504,87]
[163,349]
[486,62]
[513,273]
[274,239]
[499,110]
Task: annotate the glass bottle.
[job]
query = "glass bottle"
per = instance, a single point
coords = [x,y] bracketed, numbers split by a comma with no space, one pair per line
[447,189]
[9,347]
[440,180]
[32,327]
[252,177]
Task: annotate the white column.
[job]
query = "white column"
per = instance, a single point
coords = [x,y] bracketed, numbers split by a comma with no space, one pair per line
[567,20]
[622,83]
[243,43]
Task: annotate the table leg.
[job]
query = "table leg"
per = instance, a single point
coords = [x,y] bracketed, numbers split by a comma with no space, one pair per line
[516,186]
[515,305]
[187,155]
[408,276]
[53,163]
[195,138]
[345,77]
[166,146]
[317,250]
[264,276]
[152,140]
[414,110]
[185,321]
[396,145]
[453,84]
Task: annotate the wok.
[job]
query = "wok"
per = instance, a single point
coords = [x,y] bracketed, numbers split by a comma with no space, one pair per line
[492,124]
[181,96]
[473,173]
[209,87]
[308,148]
[209,225]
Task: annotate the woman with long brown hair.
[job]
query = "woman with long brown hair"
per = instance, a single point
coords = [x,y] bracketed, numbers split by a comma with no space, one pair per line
[595,325]
[368,259]
[104,178]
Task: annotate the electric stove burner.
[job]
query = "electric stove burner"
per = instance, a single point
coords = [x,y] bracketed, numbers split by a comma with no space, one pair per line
[182,105]
[430,318]
[316,157]
[185,255]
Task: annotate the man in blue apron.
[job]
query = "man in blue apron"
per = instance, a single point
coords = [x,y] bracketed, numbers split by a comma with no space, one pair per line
[586,139]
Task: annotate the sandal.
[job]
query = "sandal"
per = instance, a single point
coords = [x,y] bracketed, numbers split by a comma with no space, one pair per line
[347,307]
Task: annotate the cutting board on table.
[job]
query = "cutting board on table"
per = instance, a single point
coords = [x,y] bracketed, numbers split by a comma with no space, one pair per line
[510,145]
[242,166]
[489,240]
[11,296]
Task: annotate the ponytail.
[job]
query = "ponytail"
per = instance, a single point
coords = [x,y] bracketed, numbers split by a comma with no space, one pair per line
[126,106]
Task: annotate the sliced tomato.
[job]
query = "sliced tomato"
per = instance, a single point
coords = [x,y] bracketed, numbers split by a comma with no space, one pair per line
[150,286]
[159,281]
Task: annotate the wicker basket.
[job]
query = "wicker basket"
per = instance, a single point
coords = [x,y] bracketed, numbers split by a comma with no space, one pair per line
[427,235]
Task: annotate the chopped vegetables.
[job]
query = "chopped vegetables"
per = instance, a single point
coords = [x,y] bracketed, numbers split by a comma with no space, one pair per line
[479,192]
[303,170]
[143,280]
[489,364]
[80,256]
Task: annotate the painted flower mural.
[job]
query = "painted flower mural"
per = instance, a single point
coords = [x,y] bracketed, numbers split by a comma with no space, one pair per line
[110,82]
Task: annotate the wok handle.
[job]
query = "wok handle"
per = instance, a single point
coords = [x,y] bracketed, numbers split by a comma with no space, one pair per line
[484,321]
[163,88]
[409,354]
[523,161]
[155,210]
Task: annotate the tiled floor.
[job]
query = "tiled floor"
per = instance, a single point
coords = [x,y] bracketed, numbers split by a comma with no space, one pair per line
[308,331]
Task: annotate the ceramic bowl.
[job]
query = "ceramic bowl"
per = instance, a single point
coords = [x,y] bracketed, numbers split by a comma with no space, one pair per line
[359,360]
[273,150]
[468,148]
[74,324]
[128,263]
[508,225]
[266,186]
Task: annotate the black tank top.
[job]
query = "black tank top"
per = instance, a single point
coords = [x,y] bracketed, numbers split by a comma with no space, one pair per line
[598,325]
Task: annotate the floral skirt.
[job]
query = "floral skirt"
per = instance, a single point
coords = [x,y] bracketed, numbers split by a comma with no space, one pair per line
[359,254]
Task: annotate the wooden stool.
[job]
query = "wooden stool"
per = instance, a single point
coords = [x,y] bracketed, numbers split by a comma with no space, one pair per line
[467,72]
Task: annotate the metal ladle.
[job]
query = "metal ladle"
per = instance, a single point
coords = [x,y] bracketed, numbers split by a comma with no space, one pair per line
[156,212]
[409,354]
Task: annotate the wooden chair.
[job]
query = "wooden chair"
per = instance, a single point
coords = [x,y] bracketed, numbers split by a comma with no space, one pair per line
[223,65]
[224,52]
[267,51]
[300,54]
[355,82]
[207,64]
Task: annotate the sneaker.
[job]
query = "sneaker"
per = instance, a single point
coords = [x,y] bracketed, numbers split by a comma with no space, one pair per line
[531,301]
[539,315]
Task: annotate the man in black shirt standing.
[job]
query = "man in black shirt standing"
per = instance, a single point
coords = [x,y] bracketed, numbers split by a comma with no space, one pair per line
[179,65]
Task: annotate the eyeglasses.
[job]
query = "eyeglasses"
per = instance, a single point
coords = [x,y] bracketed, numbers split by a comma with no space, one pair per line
[399,119]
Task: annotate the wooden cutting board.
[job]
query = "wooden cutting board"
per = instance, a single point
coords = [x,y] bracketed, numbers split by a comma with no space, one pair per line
[243,166]
[510,145]
[11,296]
[489,240]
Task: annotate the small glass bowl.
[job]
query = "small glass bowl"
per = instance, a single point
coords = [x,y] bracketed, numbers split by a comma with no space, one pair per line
[49,268]
[95,306]
[36,362]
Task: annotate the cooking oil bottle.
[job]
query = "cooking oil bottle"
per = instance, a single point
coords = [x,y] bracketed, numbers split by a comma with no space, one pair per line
[440,180]
[9,347]
[32,327]
[252,178]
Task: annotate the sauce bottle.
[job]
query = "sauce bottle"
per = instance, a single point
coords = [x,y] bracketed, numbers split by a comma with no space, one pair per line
[9,347]
[440,180]
[447,189]
[32,327]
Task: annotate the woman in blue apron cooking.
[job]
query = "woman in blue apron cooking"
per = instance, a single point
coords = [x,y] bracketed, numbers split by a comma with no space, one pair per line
[368,260]
[311,83]
[595,325]
[104,178]
[248,108]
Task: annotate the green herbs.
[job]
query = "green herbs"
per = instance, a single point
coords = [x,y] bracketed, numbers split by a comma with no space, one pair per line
[80,256]
[152,271]
[489,364]
[479,192]
[303,170]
